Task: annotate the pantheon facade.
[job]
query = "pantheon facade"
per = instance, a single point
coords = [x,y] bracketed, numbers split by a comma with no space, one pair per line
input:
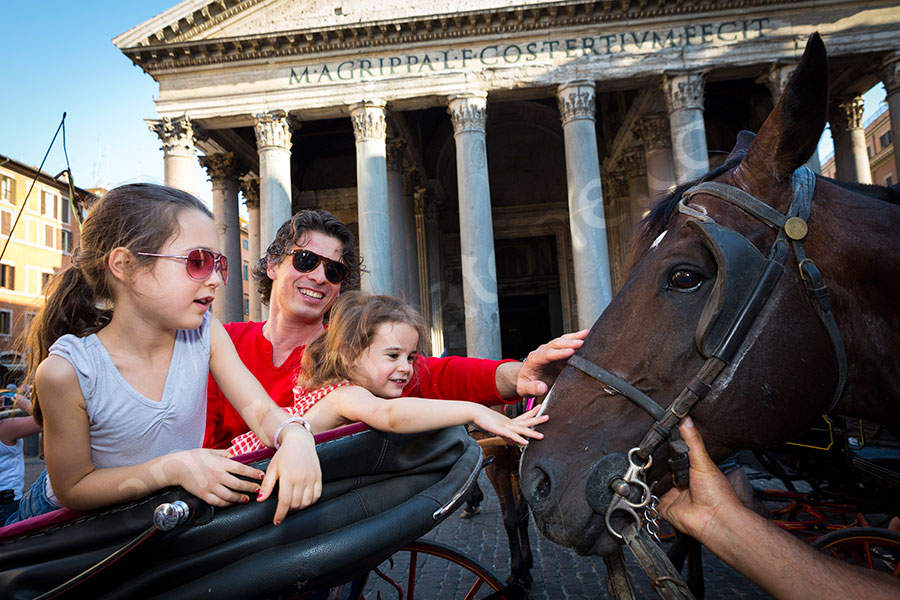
[493,156]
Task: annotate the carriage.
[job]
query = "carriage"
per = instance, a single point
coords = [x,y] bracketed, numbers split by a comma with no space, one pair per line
[381,492]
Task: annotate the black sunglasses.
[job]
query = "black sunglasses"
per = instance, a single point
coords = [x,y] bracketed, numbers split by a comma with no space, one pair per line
[305,261]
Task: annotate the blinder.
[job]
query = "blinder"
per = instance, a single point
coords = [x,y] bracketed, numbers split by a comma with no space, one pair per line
[739,266]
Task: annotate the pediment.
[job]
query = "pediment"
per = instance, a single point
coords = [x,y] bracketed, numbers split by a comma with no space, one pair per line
[196,20]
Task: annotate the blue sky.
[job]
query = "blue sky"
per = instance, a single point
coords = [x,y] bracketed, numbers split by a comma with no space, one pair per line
[58,56]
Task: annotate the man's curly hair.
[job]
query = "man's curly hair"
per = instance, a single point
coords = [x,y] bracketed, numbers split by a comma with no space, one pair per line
[293,232]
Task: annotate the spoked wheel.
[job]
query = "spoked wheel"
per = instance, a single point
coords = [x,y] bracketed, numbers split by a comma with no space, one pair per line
[864,546]
[430,568]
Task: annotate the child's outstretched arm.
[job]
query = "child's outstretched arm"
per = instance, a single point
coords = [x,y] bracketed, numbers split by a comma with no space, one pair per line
[79,485]
[411,415]
[295,465]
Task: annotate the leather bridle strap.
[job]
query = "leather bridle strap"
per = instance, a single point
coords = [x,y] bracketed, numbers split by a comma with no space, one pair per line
[620,385]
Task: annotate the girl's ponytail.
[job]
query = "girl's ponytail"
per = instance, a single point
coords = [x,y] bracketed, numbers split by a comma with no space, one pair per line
[70,307]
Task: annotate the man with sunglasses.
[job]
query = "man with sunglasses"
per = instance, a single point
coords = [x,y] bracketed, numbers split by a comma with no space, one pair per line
[309,263]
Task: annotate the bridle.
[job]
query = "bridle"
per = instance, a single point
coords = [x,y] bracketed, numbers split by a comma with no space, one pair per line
[745,281]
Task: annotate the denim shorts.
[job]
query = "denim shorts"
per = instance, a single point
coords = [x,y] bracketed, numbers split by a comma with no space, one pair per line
[34,502]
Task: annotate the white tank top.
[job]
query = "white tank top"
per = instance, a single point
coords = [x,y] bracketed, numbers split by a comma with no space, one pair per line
[126,427]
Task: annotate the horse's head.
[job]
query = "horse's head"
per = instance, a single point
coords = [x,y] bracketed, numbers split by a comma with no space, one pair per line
[694,269]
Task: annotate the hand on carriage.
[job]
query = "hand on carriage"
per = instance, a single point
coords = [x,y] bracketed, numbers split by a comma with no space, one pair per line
[211,476]
[295,467]
[513,431]
[545,363]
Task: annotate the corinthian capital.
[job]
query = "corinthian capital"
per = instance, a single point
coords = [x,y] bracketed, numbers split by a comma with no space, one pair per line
[177,135]
[846,114]
[273,130]
[468,112]
[683,90]
[777,78]
[394,149]
[249,185]
[633,163]
[615,185]
[221,168]
[577,100]
[890,72]
[653,131]
[368,120]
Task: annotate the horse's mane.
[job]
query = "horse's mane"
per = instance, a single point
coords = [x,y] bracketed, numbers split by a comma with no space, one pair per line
[888,194]
[655,222]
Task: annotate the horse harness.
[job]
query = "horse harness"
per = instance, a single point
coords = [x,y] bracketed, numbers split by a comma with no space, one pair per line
[744,282]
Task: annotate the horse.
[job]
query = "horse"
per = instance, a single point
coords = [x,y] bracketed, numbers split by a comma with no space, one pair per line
[776,287]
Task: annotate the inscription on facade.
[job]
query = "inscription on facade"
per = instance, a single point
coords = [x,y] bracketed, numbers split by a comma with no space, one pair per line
[535,52]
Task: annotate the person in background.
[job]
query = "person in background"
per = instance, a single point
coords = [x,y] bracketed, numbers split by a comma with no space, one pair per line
[13,430]
[311,261]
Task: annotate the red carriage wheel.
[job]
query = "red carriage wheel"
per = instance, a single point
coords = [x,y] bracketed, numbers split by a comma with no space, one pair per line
[864,546]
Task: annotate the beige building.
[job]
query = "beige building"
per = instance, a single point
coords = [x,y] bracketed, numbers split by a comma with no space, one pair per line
[492,155]
[38,236]
[879,150]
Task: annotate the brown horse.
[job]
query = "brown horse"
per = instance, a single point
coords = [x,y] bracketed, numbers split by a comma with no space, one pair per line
[715,289]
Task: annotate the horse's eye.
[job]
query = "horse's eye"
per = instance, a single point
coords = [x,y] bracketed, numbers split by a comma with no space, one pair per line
[685,280]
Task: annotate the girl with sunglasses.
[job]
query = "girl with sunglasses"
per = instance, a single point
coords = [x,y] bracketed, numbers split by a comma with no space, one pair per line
[356,371]
[120,355]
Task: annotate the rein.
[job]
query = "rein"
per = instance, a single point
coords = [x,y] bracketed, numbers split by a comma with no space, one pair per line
[718,340]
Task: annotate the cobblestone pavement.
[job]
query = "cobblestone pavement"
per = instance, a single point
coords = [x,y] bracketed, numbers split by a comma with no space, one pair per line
[559,573]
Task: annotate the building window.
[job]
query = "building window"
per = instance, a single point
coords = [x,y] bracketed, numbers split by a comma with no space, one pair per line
[49,237]
[246,272]
[869,151]
[889,180]
[7,189]
[886,139]
[5,222]
[246,305]
[246,244]
[47,201]
[64,210]
[46,278]
[8,277]
[65,241]
[5,322]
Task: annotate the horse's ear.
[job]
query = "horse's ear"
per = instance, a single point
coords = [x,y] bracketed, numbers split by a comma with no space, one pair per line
[741,145]
[791,133]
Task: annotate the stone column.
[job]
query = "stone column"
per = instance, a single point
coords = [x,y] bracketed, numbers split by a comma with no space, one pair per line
[776,80]
[369,128]
[653,131]
[476,232]
[399,242]
[250,190]
[851,159]
[412,250]
[684,99]
[273,142]
[587,221]
[635,167]
[428,243]
[177,136]
[222,171]
[618,214]
[890,75]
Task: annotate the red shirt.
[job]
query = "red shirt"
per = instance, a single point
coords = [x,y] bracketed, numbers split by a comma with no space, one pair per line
[448,378]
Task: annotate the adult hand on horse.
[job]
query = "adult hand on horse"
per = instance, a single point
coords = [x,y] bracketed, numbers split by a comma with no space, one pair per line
[544,364]
[782,565]
[694,510]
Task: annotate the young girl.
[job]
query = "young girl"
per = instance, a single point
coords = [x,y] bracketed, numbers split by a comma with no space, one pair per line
[356,371]
[120,356]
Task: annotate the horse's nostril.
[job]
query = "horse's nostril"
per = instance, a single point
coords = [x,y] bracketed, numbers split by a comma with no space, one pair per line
[542,489]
